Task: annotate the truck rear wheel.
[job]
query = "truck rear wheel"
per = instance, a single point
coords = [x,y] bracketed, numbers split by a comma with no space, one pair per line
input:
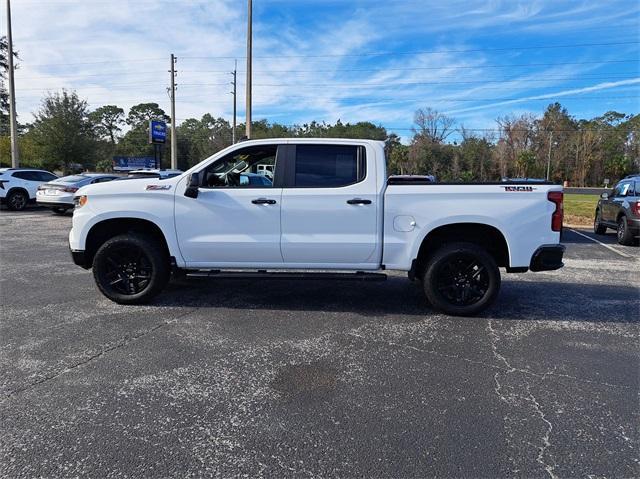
[461,279]
[131,268]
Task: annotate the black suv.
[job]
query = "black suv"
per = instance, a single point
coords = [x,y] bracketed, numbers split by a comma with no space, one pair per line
[620,210]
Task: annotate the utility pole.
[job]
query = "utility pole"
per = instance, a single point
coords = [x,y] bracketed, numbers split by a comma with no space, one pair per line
[549,157]
[249,50]
[234,93]
[15,153]
[174,140]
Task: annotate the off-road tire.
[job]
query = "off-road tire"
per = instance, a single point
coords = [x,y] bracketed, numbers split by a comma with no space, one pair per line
[476,289]
[115,273]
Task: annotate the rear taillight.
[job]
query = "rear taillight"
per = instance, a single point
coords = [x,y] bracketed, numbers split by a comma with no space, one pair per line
[556,197]
[635,208]
[69,189]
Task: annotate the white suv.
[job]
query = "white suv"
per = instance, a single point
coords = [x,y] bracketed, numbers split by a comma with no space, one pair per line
[18,186]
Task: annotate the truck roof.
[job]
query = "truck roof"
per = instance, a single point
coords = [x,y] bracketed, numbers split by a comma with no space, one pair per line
[310,140]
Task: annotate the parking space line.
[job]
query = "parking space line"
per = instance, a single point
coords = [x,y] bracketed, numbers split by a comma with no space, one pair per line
[602,244]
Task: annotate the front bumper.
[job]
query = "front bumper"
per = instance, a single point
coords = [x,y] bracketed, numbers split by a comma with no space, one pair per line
[80,258]
[547,258]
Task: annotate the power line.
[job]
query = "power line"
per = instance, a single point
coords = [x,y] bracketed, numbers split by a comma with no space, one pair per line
[425,52]
[223,72]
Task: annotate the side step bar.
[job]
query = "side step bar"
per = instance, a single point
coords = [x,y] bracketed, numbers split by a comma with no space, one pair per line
[263,274]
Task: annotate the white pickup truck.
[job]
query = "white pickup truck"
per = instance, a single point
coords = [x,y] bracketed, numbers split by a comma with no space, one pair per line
[320,208]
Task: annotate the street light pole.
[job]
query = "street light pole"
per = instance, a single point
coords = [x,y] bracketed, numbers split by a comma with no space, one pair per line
[249,53]
[15,153]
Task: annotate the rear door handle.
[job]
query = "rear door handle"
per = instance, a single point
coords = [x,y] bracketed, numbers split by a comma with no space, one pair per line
[359,201]
[263,201]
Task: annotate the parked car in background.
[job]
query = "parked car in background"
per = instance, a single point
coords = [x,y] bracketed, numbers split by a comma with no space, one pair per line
[18,186]
[154,173]
[58,194]
[620,210]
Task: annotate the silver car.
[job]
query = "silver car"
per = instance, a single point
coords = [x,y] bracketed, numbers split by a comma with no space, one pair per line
[58,194]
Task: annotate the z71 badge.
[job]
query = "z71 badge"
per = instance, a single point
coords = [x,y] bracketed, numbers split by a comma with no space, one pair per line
[519,188]
[158,187]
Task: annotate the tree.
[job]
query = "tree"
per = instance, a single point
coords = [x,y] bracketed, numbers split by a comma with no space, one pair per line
[432,125]
[62,133]
[107,122]
[141,114]
[136,141]
[4,94]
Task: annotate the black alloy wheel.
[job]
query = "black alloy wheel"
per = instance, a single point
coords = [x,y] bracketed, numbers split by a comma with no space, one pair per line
[128,270]
[461,279]
[17,200]
[131,268]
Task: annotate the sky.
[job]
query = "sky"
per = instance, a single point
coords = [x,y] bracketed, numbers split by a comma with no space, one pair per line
[324,60]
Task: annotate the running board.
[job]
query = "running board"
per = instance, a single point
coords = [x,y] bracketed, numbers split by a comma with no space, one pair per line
[262,274]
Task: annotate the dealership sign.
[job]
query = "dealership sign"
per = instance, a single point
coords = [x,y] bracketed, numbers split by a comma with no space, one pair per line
[128,163]
[157,131]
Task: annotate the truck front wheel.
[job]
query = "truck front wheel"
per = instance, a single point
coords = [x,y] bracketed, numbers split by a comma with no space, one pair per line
[461,279]
[131,268]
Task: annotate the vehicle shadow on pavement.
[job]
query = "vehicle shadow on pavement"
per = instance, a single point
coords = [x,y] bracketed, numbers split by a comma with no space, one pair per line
[398,297]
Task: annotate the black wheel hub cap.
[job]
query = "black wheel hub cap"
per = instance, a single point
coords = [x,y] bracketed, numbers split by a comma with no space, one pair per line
[462,280]
[18,201]
[128,270]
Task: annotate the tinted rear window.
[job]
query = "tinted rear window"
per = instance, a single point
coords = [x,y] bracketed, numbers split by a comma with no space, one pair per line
[327,166]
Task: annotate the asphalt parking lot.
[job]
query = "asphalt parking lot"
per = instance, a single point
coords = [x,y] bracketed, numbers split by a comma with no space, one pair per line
[315,378]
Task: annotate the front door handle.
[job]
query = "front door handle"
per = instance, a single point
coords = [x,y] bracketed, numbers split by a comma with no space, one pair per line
[359,201]
[263,201]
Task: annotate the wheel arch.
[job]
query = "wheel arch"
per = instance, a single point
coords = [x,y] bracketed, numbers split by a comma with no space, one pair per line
[487,236]
[14,189]
[109,228]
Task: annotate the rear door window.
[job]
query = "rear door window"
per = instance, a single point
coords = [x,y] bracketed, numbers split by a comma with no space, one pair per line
[328,166]
[24,175]
[45,176]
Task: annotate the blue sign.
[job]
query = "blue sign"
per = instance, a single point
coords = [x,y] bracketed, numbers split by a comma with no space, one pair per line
[128,163]
[157,131]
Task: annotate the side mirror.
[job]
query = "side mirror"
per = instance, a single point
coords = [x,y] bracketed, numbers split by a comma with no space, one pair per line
[604,196]
[192,186]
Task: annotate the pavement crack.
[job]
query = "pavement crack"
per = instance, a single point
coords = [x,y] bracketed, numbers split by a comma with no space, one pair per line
[514,398]
[546,438]
[120,344]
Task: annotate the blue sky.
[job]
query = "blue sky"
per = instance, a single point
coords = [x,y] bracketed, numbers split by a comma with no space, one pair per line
[327,60]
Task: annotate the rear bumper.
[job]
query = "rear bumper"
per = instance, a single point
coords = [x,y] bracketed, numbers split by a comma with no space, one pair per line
[634,225]
[54,204]
[51,200]
[547,258]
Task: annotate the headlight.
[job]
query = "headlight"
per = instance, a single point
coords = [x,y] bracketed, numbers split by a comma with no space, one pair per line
[80,201]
